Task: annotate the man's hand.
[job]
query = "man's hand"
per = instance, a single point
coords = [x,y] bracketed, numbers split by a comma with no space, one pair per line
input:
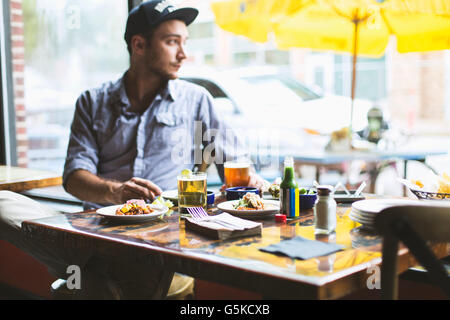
[257,181]
[87,186]
[137,188]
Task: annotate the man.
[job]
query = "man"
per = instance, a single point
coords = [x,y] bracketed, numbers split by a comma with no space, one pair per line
[121,144]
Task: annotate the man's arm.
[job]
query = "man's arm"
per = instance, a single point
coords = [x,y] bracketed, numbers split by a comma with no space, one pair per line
[90,187]
[80,170]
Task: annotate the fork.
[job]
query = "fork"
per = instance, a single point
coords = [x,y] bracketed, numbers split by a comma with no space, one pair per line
[198,213]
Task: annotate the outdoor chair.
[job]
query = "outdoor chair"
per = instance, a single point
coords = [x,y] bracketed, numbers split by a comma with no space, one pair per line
[413,226]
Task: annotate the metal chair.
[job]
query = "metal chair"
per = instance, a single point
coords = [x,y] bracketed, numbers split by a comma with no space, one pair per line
[413,225]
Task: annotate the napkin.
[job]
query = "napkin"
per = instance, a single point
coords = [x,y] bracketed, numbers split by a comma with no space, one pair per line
[240,228]
[239,224]
[301,248]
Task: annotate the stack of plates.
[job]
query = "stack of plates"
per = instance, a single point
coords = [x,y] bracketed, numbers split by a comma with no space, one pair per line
[365,211]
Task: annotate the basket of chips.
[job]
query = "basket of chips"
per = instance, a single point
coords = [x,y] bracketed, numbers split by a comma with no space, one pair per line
[439,189]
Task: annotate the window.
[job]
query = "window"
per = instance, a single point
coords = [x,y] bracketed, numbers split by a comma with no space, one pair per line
[244,58]
[201,30]
[69,46]
[370,77]
[277,57]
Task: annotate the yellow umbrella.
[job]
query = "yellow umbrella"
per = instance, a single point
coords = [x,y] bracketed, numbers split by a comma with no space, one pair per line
[360,27]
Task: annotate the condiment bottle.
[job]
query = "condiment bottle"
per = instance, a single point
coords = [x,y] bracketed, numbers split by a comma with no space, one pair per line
[289,190]
[325,211]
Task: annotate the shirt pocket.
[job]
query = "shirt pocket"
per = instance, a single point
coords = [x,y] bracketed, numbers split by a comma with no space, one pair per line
[170,129]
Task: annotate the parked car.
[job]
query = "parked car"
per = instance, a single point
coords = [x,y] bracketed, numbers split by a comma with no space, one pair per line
[274,111]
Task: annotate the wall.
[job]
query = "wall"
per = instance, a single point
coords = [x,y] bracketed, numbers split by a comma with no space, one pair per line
[18,67]
[417,87]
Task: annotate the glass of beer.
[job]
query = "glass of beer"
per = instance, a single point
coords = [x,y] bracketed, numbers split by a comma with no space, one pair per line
[237,174]
[191,191]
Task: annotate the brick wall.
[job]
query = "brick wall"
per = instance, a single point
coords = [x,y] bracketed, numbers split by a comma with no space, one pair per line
[416,88]
[433,86]
[18,67]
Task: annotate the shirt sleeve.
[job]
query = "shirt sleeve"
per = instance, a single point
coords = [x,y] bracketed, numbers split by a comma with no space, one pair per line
[221,142]
[82,152]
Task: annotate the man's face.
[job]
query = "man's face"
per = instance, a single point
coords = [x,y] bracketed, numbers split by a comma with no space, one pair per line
[164,53]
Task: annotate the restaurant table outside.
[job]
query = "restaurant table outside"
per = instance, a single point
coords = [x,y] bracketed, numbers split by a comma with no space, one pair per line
[379,159]
[236,262]
[20,179]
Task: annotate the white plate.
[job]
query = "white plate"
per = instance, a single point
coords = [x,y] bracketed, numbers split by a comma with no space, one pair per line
[355,217]
[110,213]
[365,224]
[368,215]
[272,206]
[374,206]
[171,195]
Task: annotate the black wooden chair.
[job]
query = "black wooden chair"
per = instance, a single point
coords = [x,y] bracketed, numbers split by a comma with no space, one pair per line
[413,226]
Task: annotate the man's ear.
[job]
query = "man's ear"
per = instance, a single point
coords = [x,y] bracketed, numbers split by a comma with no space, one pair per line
[138,44]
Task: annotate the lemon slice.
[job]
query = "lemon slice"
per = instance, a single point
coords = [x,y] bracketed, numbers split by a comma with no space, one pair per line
[186,173]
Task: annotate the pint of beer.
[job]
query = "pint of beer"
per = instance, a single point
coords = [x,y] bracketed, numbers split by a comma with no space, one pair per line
[237,174]
[191,191]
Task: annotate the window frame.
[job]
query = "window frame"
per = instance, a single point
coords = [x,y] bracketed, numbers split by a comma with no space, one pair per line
[8,144]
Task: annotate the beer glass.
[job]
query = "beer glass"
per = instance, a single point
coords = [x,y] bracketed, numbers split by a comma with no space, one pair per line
[191,191]
[237,174]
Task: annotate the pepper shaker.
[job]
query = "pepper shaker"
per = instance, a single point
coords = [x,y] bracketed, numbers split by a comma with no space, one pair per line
[325,211]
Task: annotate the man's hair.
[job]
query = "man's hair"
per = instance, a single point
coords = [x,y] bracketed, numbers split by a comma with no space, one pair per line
[147,35]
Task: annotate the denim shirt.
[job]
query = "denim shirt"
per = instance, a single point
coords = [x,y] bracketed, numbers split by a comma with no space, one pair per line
[177,129]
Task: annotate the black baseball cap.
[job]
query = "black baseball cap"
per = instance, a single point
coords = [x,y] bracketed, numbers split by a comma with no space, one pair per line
[151,13]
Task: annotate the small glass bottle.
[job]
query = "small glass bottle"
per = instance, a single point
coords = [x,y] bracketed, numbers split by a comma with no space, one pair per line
[325,211]
[287,189]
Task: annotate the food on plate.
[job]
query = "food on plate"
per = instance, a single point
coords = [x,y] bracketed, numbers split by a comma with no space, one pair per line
[434,183]
[418,183]
[444,183]
[251,201]
[160,201]
[274,190]
[133,208]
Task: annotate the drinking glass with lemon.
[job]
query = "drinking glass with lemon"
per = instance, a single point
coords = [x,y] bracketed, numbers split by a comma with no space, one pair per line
[191,190]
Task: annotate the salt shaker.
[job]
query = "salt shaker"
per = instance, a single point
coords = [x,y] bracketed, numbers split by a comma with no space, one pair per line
[325,211]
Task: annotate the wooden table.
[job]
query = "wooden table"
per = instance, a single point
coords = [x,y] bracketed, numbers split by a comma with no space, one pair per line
[19,179]
[239,262]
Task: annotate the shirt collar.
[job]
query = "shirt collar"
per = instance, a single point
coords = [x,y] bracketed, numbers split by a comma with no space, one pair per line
[170,91]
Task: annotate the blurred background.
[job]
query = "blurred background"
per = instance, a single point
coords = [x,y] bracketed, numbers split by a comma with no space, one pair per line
[61,48]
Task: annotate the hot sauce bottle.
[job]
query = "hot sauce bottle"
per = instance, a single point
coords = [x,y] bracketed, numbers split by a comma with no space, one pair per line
[289,190]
